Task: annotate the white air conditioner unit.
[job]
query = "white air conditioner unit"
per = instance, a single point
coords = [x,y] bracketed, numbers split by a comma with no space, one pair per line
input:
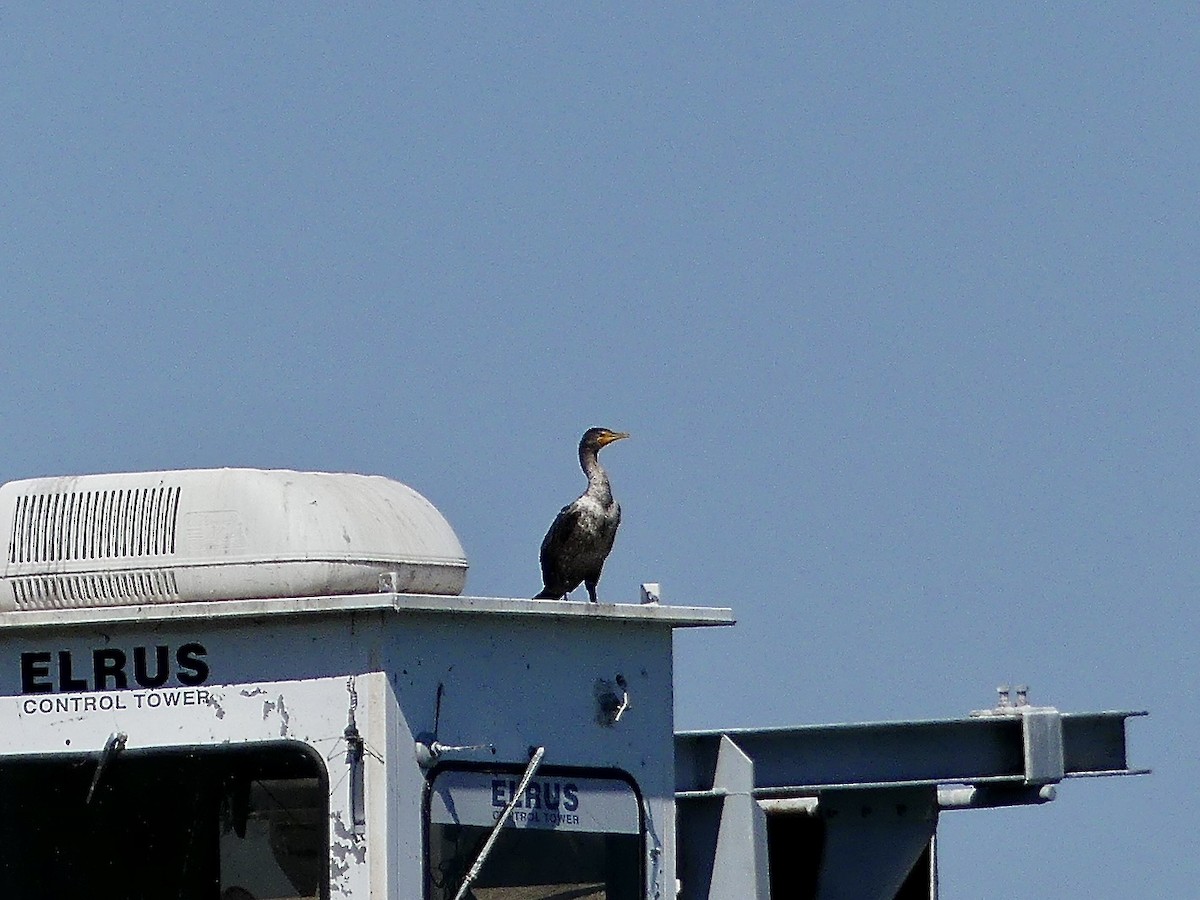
[219,534]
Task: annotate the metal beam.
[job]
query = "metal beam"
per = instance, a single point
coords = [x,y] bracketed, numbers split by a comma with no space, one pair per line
[1016,749]
[872,792]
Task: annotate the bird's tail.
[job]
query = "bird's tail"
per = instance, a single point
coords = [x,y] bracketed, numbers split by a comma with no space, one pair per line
[545,594]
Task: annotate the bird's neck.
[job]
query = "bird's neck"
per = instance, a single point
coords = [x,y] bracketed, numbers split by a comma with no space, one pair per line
[598,485]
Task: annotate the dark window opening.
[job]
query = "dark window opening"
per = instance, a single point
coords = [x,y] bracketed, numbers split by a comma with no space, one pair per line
[227,823]
[571,838]
[795,848]
[795,845]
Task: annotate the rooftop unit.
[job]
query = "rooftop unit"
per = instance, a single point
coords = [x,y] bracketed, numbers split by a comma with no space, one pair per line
[215,534]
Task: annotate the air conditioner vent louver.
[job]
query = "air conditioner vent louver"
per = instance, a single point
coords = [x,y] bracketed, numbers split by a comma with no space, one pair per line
[101,524]
[218,534]
[98,589]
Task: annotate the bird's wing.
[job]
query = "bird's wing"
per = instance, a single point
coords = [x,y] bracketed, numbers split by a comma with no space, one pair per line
[556,538]
[611,532]
[604,544]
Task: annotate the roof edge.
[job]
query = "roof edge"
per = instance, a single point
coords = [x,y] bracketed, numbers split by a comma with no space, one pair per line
[223,610]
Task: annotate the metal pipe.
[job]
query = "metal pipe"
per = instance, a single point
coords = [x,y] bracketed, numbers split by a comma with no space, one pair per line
[517,797]
[790,806]
[980,797]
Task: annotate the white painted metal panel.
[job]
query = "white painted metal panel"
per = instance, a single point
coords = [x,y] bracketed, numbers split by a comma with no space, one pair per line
[311,711]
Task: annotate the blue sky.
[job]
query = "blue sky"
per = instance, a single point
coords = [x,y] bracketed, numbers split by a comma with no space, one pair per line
[899,305]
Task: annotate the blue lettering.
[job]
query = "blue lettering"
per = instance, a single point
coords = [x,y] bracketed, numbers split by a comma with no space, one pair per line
[550,795]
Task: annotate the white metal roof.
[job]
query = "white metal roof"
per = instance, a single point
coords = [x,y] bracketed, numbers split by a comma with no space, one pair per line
[649,613]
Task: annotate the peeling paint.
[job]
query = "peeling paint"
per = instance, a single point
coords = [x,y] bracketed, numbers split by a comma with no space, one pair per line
[346,853]
[216,705]
[285,718]
[280,707]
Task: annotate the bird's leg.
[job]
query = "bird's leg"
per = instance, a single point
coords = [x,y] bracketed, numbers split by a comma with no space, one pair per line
[591,589]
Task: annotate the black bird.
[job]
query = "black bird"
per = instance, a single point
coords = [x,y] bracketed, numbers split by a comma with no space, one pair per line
[582,535]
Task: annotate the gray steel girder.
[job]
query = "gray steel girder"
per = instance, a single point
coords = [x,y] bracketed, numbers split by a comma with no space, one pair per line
[877,789]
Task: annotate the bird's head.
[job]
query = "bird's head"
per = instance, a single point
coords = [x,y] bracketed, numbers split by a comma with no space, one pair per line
[595,438]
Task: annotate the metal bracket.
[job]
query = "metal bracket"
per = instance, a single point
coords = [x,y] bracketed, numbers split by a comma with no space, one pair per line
[428,749]
[355,750]
[1042,731]
[612,700]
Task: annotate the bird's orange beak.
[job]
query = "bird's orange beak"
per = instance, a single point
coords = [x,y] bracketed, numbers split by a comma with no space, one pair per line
[611,436]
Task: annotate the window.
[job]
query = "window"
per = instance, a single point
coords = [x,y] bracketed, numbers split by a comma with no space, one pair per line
[569,838]
[220,823]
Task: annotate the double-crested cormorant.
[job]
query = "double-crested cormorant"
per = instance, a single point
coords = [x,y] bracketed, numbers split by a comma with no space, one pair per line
[581,536]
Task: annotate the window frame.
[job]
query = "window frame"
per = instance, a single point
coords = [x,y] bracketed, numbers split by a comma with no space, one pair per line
[515,771]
